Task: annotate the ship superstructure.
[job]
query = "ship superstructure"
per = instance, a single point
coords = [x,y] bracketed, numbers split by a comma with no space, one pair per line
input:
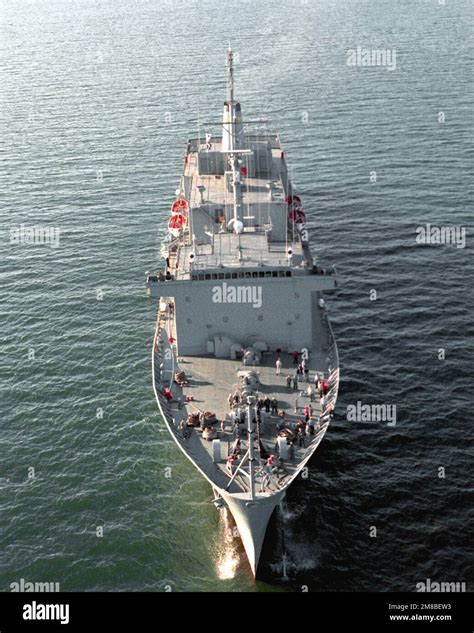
[245,365]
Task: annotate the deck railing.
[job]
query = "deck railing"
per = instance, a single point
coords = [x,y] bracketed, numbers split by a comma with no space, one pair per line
[333,379]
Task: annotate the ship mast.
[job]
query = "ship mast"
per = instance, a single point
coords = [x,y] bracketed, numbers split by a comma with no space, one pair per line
[231,144]
[230,81]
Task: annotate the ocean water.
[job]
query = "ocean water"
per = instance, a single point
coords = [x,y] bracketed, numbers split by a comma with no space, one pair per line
[97,101]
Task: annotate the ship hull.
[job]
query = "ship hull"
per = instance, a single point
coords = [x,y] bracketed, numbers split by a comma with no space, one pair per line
[251,515]
[243,341]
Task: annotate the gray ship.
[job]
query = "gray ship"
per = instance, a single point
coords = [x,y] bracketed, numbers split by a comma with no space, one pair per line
[245,365]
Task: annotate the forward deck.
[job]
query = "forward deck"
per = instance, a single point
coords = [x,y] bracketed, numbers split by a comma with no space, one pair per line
[210,382]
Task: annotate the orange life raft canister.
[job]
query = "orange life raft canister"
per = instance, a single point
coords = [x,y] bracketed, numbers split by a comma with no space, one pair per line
[180,205]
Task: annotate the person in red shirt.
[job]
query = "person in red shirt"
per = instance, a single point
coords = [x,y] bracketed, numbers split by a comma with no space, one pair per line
[230,463]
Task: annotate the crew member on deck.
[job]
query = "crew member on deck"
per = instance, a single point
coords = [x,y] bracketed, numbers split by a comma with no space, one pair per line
[278,366]
[306,373]
[230,464]
[274,406]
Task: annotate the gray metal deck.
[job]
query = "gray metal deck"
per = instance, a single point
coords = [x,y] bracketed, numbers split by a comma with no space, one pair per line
[215,189]
[211,380]
[255,251]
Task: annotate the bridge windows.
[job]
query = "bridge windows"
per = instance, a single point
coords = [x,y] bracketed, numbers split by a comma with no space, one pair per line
[242,275]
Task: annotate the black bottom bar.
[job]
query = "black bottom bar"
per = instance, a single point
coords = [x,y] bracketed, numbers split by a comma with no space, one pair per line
[236,612]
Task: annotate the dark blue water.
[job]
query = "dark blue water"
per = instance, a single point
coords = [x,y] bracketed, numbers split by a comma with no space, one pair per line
[97,101]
